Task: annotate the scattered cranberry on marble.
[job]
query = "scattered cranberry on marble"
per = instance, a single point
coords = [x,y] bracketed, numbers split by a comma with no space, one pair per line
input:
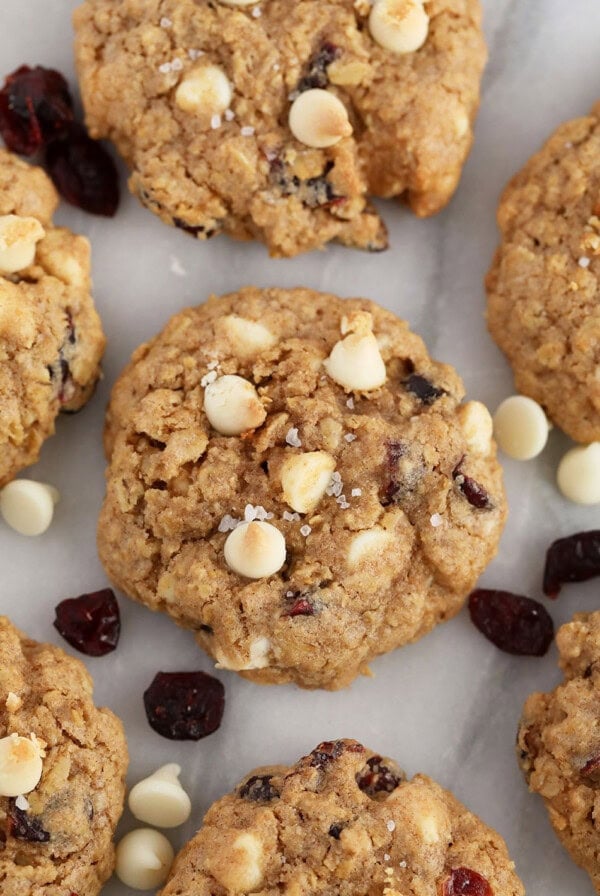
[575,558]
[184,705]
[515,624]
[90,623]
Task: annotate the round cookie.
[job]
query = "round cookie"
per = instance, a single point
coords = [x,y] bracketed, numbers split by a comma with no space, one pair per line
[343,821]
[543,285]
[213,151]
[559,744]
[375,505]
[57,840]
[51,339]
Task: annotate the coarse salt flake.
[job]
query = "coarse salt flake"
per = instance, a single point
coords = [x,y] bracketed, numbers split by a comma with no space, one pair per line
[350,403]
[165,68]
[229,114]
[165,22]
[247,131]
[176,65]
[228,523]
[290,517]
[195,54]
[257,12]
[584,262]
[208,378]
[305,531]
[356,492]
[391,826]
[350,437]
[22,803]
[215,122]
[292,438]
[436,520]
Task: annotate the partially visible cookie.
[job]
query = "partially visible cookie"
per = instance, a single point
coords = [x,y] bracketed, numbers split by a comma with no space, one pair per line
[543,286]
[51,339]
[342,821]
[198,94]
[294,479]
[559,744]
[56,840]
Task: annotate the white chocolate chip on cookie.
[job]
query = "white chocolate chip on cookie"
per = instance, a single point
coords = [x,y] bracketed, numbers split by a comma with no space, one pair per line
[18,239]
[232,405]
[476,423]
[368,544]
[319,119]
[400,26]
[204,91]
[160,799]
[240,867]
[521,427]
[355,362]
[247,337]
[144,859]
[20,765]
[578,474]
[304,479]
[255,550]
[28,506]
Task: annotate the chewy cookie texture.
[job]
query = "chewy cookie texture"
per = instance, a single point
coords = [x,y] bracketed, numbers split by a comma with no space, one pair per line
[343,821]
[559,744]
[275,121]
[62,771]
[294,479]
[51,339]
[543,285]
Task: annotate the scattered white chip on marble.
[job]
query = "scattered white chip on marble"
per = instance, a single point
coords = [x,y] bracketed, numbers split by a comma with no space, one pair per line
[20,765]
[521,427]
[400,26]
[232,405]
[28,506]
[578,474]
[160,799]
[18,239]
[319,119]
[144,858]
[255,550]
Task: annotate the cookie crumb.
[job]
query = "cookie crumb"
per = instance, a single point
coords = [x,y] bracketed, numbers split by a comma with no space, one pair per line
[208,378]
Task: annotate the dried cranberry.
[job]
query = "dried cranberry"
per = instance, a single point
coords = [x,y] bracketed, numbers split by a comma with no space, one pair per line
[515,624]
[313,192]
[301,606]
[60,371]
[316,75]
[90,623]
[376,777]
[592,767]
[25,827]
[394,450]
[83,171]
[465,882]
[475,493]
[35,106]
[335,830]
[184,705]
[423,389]
[259,789]
[575,558]
[326,752]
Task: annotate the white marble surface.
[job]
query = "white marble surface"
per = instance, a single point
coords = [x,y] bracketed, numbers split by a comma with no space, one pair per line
[448,705]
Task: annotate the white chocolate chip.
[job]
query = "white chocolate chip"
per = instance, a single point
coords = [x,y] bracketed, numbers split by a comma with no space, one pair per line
[20,765]
[400,26]
[28,506]
[305,478]
[319,119]
[241,867]
[521,427]
[259,654]
[247,338]
[144,859]
[255,550]
[160,799]
[18,239]
[204,91]
[13,702]
[428,828]
[367,544]
[232,405]
[476,423]
[355,362]
[578,474]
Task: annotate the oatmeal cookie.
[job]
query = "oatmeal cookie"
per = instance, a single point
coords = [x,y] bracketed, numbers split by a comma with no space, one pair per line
[343,821]
[543,285]
[56,840]
[559,744]
[197,95]
[294,479]
[51,339]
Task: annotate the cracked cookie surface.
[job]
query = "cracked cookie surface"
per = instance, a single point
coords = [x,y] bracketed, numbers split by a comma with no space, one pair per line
[543,286]
[559,744]
[61,843]
[343,821]
[51,339]
[241,171]
[375,511]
